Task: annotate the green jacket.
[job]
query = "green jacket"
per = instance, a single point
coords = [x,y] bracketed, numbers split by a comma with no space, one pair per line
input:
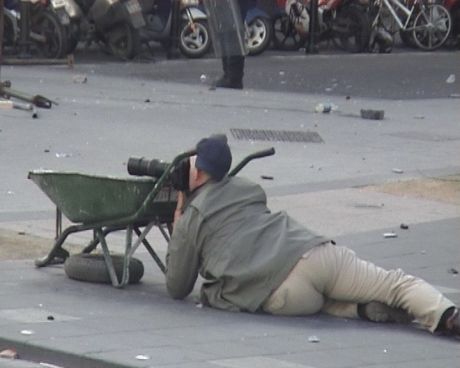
[228,235]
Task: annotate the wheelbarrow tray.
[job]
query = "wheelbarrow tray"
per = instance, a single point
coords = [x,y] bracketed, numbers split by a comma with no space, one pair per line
[87,199]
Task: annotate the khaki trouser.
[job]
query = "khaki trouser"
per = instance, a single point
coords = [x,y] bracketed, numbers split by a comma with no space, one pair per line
[334,280]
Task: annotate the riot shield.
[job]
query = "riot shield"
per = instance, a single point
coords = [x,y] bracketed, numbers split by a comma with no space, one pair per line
[226,27]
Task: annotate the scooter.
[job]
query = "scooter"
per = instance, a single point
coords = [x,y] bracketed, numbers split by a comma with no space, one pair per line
[115,24]
[194,38]
[46,36]
[258,31]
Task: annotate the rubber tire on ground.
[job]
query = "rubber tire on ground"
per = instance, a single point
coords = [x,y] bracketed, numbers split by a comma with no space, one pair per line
[205,43]
[92,268]
[264,24]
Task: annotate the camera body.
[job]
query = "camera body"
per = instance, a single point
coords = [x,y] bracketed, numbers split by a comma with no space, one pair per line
[179,176]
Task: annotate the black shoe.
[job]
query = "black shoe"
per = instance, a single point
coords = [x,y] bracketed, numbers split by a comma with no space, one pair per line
[450,322]
[225,82]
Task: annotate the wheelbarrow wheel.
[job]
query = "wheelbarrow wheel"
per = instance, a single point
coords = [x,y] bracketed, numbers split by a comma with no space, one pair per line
[92,268]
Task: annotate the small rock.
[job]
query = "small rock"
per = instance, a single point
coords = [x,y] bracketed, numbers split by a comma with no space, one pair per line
[450,79]
[324,108]
[142,357]
[9,354]
[453,271]
[50,318]
[80,78]
[404,226]
[313,339]
[397,171]
[266,177]
[27,332]
[147,100]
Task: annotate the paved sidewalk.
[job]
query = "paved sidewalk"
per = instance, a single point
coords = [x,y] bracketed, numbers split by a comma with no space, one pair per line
[51,319]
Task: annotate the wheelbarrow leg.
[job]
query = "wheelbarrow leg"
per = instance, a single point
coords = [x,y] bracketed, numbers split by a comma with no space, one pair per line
[108,259]
[151,251]
[57,254]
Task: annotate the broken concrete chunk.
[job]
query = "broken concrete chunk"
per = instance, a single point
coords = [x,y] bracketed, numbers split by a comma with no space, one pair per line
[372,114]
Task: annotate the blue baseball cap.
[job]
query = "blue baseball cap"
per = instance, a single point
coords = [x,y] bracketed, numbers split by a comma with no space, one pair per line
[213,156]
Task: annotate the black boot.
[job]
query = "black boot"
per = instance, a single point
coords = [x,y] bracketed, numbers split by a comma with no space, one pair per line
[233,68]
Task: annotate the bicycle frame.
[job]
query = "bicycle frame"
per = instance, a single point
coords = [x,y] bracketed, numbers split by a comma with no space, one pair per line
[408,11]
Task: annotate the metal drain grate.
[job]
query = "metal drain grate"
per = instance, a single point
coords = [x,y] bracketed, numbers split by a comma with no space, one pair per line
[276,135]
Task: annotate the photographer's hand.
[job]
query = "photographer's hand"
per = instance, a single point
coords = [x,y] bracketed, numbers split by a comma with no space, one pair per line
[180,205]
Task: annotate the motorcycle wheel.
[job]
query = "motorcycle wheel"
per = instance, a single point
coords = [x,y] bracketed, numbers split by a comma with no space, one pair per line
[194,40]
[123,41]
[432,27]
[259,32]
[48,35]
[285,36]
[355,29]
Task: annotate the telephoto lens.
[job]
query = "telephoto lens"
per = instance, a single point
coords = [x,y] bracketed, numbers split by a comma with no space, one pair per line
[143,167]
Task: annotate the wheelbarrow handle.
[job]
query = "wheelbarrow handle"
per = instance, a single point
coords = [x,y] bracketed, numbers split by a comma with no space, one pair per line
[243,163]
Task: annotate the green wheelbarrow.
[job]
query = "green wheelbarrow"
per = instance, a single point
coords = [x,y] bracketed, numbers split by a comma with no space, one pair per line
[103,204]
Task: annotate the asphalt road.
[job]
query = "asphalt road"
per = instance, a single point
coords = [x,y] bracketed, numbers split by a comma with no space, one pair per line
[403,74]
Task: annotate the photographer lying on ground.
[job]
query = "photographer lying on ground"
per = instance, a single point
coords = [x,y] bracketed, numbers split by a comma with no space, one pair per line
[253,260]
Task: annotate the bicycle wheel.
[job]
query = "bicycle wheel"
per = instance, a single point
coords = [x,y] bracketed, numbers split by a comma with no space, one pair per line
[285,36]
[432,27]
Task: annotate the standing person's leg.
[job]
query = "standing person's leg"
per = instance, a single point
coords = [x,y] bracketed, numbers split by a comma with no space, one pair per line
[233,66]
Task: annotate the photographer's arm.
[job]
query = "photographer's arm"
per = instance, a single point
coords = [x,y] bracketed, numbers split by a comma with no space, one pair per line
[182,260]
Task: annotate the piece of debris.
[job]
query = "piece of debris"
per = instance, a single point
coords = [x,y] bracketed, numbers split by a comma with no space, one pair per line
[147,100]
[397,171]
[453,271]
[266,177]
[324,108]
[372,114]
[9,354]
[49,365]
[404,226]
[50,318]
[203,78]
[142,357]
[390,235]
[313,338]
[80,78]
[27,332]
[450,79]
[63,155]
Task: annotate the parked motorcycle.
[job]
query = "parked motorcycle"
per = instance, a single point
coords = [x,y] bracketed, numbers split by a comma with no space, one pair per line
[47,37]
[345,22]
[194,37]
[114,24]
